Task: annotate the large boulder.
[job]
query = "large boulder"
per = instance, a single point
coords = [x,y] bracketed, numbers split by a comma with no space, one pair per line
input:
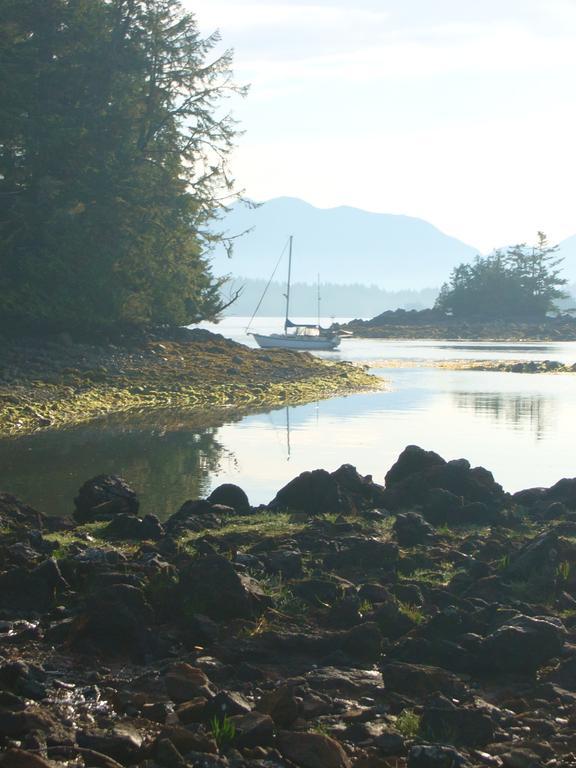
[417,472]
[210,585]
[411,529]
[132,527]
[230,495]
[523,644]
[319,492]
[312,750]
[314,493]
[419,681]
[363,552]
[103,497]
[117,622]
[563,491]
[32,590]
[442,721]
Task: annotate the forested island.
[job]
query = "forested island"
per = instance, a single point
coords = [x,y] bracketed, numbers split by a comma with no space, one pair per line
[509,295]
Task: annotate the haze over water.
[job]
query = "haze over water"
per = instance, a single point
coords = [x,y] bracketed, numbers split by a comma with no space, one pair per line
[519,426]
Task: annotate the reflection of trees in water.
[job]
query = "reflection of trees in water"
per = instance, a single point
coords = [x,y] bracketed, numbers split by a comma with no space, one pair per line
[167,458]
[523,411]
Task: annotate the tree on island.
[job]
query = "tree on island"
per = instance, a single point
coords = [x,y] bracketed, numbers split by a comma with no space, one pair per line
[523,281]
[113,163]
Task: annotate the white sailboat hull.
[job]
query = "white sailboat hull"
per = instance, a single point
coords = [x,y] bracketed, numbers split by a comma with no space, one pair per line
[285,341]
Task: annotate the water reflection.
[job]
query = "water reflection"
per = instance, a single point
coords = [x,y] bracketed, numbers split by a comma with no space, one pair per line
[532,412]
[167,459]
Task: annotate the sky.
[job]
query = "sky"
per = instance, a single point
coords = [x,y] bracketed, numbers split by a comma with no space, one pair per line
[460,112]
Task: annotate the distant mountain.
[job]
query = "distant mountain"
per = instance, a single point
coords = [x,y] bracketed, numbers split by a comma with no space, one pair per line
[344,245]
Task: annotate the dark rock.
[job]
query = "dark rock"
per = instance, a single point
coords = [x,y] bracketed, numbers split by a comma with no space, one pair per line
[230,495]
[167,755]
[287,562]
[563,491]
[537,556]
[390,743]
[419,681]
[16,725]
[281,705]
[125,526]
[34,590]
[314,493]
[226,704]
[312,750]
[117,621]
[411,529]
[413,460]
[443,721]
[417,472]
[362,491]
[348,683]
[122,742]
[363,642]
[189,742]
[14,512]
[253,729]
[156,711]
[194,514]
[185,682]
[317,591]
[523,644]
[521,758]
[27,680]
[211,585]
[363,553]
[20,758]
[393,622]
[103,497]
[411,594]
[434,756]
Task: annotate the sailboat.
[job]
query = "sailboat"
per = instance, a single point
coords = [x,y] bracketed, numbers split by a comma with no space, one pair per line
[298,335]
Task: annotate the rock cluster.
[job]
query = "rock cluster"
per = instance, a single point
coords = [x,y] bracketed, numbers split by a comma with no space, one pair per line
[426,622]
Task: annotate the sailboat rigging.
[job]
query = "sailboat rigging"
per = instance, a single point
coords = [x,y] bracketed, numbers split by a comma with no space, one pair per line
[297,335]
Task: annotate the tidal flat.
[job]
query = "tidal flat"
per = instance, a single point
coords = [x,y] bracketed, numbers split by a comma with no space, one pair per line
[54,381]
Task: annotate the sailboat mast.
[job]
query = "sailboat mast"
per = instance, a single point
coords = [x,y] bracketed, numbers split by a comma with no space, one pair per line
[288,284]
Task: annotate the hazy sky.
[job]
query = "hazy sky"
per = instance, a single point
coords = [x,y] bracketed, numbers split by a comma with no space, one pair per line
[462,112]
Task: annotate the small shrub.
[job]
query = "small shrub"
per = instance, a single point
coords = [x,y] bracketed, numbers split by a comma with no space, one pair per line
[408,723]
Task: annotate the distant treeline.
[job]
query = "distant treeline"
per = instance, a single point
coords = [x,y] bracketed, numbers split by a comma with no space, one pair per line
[353,300]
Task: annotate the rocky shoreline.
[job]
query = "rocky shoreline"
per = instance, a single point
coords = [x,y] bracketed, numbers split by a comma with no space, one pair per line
[55,381]
[432,324]
[428,622]
[509,366]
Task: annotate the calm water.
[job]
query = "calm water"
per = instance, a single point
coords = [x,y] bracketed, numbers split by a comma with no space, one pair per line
[519,426]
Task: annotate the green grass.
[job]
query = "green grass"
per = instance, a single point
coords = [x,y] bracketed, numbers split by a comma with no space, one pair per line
[408,723]
[435,577]
[264,525]
[413,612]
[285,601]
[223,730]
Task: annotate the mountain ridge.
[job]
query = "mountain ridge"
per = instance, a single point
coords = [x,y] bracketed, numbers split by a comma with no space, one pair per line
[344,244]
[347,245]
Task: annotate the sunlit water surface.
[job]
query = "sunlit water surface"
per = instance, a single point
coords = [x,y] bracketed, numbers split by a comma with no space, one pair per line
[520,426]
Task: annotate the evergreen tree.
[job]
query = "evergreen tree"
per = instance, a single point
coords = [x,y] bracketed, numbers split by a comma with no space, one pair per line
[518,283]
[113,162]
